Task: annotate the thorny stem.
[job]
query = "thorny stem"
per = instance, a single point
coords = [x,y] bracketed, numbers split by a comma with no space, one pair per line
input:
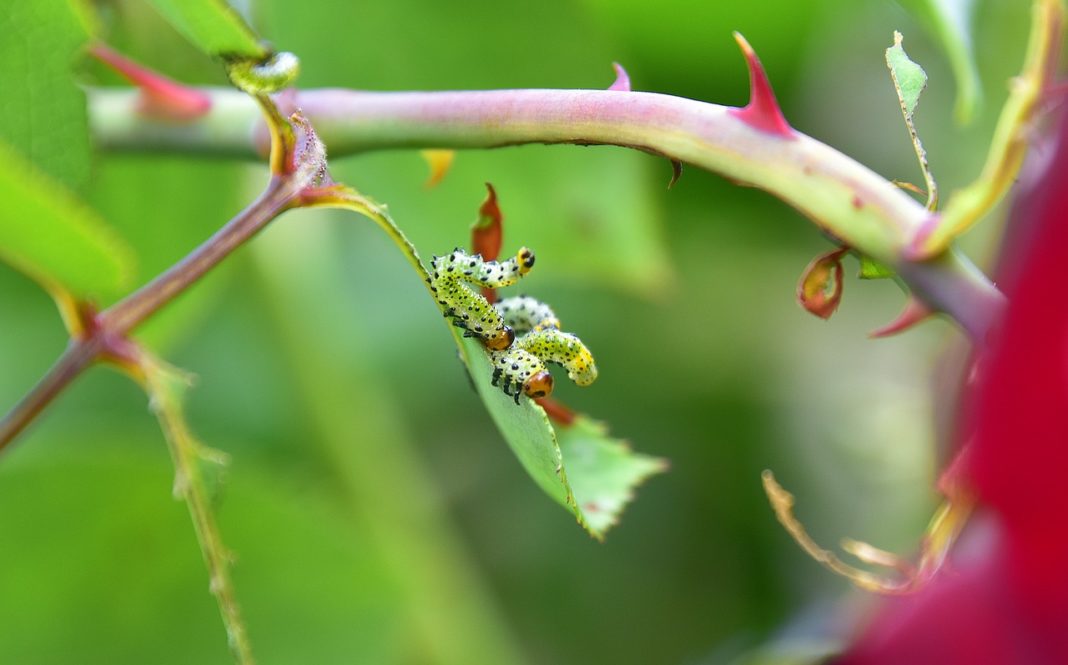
[130,312]
[121,318]
[854,204]
[77,357]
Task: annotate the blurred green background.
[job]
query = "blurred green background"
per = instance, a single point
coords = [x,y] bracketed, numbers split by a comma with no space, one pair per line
[376,514]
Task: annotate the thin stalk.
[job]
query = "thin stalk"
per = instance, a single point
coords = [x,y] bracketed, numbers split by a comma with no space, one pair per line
[127,314]
[78,356]
[121,318]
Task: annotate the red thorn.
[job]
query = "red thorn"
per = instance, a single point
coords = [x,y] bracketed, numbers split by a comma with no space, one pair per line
[559,413]
[762,112]
[676,172]
[622,82]
[161,97]
[914,312]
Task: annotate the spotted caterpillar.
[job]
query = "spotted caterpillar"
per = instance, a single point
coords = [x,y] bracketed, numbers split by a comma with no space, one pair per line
[449,279]
[540,341]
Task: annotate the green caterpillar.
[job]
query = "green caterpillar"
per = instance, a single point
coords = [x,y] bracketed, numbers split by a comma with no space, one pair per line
[449,279]
[522,366]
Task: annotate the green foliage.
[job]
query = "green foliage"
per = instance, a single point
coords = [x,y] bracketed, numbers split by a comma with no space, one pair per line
[909,78]
[51,236]
[213,26]
[582,468]
[372,510]
[43,110]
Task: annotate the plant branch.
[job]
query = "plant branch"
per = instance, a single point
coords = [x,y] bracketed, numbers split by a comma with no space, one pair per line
[77,357]
[131,311]
[846,199]
[110,327]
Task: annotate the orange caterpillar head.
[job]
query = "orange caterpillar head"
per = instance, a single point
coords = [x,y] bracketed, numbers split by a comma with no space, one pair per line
[539,385]
[499,340]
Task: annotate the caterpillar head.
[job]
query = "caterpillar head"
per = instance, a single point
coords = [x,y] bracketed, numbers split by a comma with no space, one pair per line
[525,259]
[499,340]
[539,385]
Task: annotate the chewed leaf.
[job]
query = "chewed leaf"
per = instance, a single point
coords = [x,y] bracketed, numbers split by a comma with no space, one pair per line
[603,471]
[213,26]
[583,469]
[951,22]
[820,289]
[909,81]
[1011,137]
[909,78]
[47,233]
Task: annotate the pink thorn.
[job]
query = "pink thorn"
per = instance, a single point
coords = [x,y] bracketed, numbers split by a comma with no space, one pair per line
[622,82]
[762,112]
[914,312]
[161,97]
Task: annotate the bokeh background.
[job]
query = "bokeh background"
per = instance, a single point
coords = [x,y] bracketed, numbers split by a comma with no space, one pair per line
[376,514]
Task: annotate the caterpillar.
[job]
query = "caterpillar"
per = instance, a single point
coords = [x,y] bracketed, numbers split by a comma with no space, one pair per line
[523,365]
[449,278]
[523,314]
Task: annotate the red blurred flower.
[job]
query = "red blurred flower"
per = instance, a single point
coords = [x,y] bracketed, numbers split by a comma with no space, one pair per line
[1009,604]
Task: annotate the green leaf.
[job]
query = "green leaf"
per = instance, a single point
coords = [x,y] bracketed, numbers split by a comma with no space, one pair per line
[603,490]
[213,26]
[43,110]
[872,269]
[50,235]
[582,468]
[909,81]
[909,78]
[603,471]
[951,22]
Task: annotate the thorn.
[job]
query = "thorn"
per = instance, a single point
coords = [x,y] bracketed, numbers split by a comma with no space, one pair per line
[676,172]
[622,82]
[161,97]
[763,111]
[914,312]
